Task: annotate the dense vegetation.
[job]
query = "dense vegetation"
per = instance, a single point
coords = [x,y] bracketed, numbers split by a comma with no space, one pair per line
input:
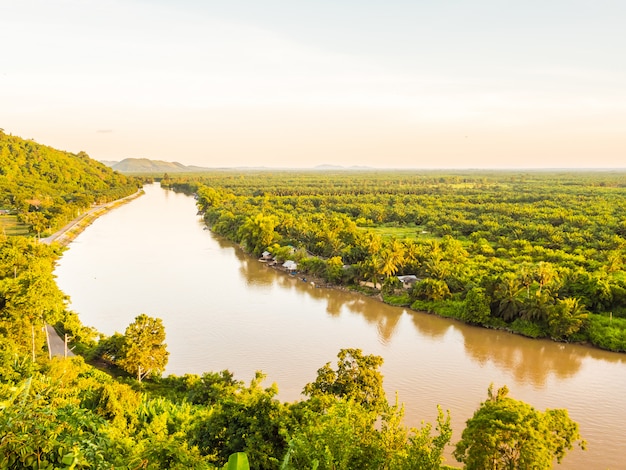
[537,253]
[44,188]
[65,413]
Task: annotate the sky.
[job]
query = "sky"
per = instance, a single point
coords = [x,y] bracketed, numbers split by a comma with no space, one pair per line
[289,83]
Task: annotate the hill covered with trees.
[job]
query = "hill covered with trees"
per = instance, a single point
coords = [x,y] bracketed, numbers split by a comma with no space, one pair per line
[44,188]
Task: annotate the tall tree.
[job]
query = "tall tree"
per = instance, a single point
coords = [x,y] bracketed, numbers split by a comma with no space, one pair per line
[476,307]
[144,350]
[507,434]
[391,258]
[357,377]
[257,233]
[566,317]
[507,296]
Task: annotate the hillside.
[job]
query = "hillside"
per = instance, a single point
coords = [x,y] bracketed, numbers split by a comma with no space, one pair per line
[44,187]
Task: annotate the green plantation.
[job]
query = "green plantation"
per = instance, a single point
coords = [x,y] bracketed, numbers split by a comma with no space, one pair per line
[538,253]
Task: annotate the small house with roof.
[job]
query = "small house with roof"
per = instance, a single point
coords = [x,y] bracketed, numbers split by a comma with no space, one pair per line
[290,266]
[408,281]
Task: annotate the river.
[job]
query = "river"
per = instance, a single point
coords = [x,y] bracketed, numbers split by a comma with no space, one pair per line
[225,310]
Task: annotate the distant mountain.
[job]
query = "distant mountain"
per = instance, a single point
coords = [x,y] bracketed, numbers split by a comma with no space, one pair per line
[145,165]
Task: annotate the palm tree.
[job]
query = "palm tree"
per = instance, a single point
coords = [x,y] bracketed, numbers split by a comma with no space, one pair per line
[391,258]
[545,274]
[566,317]
[506,294]
[525,276]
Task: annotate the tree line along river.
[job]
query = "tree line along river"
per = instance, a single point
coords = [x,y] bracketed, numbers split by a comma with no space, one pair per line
[225,310]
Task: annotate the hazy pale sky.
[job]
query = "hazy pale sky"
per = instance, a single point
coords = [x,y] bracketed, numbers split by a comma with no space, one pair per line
[406,84]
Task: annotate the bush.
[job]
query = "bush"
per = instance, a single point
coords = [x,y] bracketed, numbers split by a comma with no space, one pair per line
[445,308]
[475,309]
[607,333]
[527,328]
[431,289]
[399,300]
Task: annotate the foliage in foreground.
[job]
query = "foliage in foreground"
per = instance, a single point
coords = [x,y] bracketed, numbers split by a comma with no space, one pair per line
[505,433]
[69,415]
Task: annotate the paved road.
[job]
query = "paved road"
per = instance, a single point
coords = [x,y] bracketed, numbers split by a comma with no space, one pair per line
[57,345]
[56,235]
[61,235]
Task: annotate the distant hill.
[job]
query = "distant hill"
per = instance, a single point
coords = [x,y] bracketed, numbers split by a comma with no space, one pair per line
[108,163]
[145,165]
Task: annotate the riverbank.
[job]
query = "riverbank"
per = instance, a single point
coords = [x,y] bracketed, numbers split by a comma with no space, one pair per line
[70,231]
[454,309]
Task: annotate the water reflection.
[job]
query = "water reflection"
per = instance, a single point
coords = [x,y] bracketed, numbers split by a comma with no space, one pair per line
[430,325]
[529,361]
[257,274]
[384,317]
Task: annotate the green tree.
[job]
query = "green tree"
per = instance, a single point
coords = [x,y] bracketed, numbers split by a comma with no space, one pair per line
[36,220]
[508,434]
[334,269]
[476,307]
[38,432]
[257,233]
[506,296]
[424,450]
[345,432]
[431,289]
[357,377]
[566,317]
[144,350]
[391,258]
[545,274]
[344,435]
[250,420]
[28,302]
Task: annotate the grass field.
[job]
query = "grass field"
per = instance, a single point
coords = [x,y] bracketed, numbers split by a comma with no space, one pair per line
[10,226]
[401,233]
